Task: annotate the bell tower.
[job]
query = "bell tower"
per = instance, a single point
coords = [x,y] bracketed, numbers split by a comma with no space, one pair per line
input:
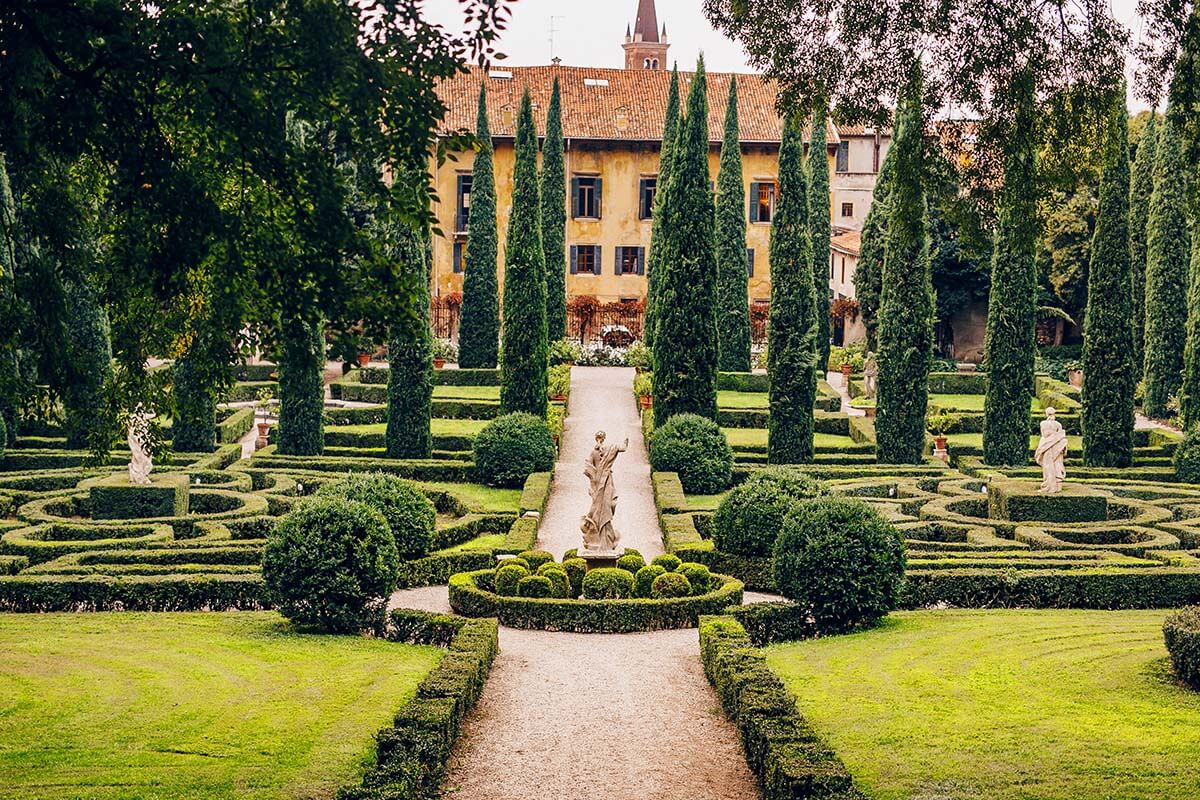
[645,47]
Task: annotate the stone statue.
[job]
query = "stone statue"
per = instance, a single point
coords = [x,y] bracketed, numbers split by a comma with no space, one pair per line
[1050,453]
[139,460]
[597,524]
[870,370]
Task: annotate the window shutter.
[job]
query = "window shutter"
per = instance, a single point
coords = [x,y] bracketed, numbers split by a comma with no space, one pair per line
[618,254]
[753,201]
[574,200]
[574,259]
[641,270]
[749,262]
[599,183]
[597,249]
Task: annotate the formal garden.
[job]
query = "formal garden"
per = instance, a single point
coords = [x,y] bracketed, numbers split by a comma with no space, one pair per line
[263,535]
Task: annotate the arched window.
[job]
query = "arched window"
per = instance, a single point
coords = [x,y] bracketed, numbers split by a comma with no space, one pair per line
[646,64]
[654,64]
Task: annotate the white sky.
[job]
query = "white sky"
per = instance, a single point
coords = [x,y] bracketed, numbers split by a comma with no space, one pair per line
[589,33]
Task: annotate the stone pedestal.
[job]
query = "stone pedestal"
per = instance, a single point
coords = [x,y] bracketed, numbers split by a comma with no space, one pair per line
[114,497]
[599,558]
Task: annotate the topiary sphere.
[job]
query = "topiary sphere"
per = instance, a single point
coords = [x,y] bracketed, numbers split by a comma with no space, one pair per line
[670,584]
[643,581]
[629,551]
[536,558]
[698,576]
[575,568]
[516,560]
[607,583]
[631,562]
[535,586]
[331,564]
[558,577]
[668,561]
[694,447]
[511,448]
[410,515]
[1187,459]
[841,559]
[749,518]
[507,578]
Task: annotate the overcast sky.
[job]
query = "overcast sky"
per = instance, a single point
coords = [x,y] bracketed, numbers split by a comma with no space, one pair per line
[589,33]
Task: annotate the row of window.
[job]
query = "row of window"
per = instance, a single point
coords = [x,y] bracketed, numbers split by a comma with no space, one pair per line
[587,259]
[587,195]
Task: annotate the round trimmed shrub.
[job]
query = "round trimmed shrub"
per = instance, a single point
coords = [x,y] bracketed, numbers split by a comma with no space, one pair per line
[511,448]
[535,586]
[575,568]
[749,518]
[670,584]
[643,581]
[629,551]
[1187,459]
[558,577]
[331,564]
[839,558]
[1181,631]
[516,560]
[508,577]
[631,562]
[698,576]
[668,561]
[607,583]
[410,515]
[536,558]
[694,447]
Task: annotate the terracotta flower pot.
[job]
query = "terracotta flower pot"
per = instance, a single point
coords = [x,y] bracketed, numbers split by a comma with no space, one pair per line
[264,431]
[558,398]
[939,442]
[645,401]
[438,363]
[847,371]
[364,359]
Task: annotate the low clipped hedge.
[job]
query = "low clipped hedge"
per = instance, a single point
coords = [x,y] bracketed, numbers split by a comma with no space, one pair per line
[43,593]
[1181,631]
[471,595]
[411,754]
[1187,459]
[1078,588]
[782,749]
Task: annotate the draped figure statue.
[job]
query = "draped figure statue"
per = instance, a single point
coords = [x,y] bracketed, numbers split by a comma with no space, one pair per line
[1050,454]
[139,458]
[597,524]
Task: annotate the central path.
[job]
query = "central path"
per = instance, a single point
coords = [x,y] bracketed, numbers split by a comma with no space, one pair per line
[567,716]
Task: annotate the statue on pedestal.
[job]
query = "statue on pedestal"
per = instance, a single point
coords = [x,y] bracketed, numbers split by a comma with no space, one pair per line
[1050,454]
[870,371]
[139,459]
[597,524]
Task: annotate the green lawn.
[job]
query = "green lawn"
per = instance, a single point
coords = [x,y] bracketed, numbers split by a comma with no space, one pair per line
[486,541]
[742,438]
[1003,705]
[197,705]
[480,498]
[975,440]
[727,399]
[968,402]
[467,392]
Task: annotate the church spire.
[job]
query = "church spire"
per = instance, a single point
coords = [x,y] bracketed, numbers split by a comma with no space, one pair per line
[645,27]
[646,48]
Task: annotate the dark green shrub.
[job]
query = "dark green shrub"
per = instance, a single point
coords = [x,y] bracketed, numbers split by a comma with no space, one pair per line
[479,321]
[694,447]
[300,431]
[519,562]
[670,584]
[631,562]
[841,559]
[535,586]
[643,581]
[699,578]
[331,564]
[194,427]
[607,583]
[511,448]
[668,561]
[654,257]
[558,577]
[410,358]
[749,518]
[1181,631]
[733,310]
[87,363]
[508,578]
[554,218]
[630,551]
[575,568]
[536,558]
[410,515]
[1187,459]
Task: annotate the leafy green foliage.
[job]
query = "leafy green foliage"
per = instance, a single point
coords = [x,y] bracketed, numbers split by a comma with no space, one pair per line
[332,565]
[1187,459]
[792,346]
[535,586]
[643,580]
[1189,392]
[749,518]
[698,576]
[607,583]
[655,265]
[194,427]
[733,310]
[509,577]
[868,276]
[631,562]
[696,448]
[1140,189]
[554,219]
[479,320]
[410,515]
[668,561]
[819,225]
[670,584]
[841,559]
[1181,631]
[511,448]
[88,366]
[410,358]
[301,387]
[536,559]
[524,355]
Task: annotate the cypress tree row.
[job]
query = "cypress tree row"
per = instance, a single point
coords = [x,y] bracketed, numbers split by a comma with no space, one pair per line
[1189,392]
[820,228]
[654,260]
[410,358]
[792,347]
[1010,342]
[300,431]
[88,364]
[1168,256]
[685,366]
[523,360]
[733,308]
[1108,368]
[479,321]
[194,427]
[906,300]
[1140,189]
[868,275]
[10,377]
[554,220]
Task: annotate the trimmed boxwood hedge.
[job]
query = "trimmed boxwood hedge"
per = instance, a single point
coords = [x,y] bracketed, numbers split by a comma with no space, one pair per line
[695,448]
[42,593]
[1078,588]
[1181,631]
[470,597]
[512,448]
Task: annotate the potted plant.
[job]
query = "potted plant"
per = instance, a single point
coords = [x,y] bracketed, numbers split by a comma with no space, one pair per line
[262,409]
[558,383]
[364,359]
[865,405]
[643,387]
[940,425]
[564,351]
[444,350]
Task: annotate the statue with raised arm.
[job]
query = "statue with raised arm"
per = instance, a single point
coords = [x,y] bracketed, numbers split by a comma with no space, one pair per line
[139,458]
[1051,453]
[597,524]
[870,371]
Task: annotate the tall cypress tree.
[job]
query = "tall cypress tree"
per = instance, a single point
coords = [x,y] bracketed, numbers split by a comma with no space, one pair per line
[410,356]
[1108,368]
[820,228]
[906,301]
[1189,392]
[554,219]
[1168,256]
[685,360]
[654,261]
[792,349]
[479,323]
[524,350]
[194,427]
[88,363]
[300,431]
[1140,189]
[1011,322]
[733,308]
[10,333]
[868,275]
